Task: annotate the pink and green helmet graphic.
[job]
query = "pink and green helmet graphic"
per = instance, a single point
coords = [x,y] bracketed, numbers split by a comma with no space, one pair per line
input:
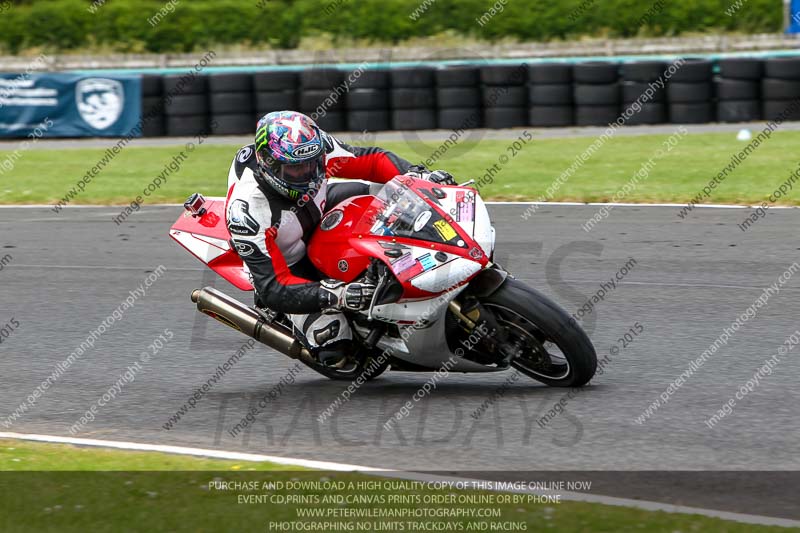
[287,137]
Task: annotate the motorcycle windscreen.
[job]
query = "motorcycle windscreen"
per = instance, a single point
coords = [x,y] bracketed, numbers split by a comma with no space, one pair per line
[398,211]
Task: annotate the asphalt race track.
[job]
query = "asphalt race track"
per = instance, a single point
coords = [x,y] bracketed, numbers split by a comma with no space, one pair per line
[689,280]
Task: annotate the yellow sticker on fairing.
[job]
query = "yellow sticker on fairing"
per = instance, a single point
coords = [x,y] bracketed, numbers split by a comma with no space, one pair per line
[445,229]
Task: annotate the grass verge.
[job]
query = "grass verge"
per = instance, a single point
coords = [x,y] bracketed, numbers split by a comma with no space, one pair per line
[45,176]
[49,487]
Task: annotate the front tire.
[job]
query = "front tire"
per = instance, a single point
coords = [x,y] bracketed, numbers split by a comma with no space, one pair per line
[536,326]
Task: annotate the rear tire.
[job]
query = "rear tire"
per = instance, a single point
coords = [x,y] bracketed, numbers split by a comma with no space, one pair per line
[549,323]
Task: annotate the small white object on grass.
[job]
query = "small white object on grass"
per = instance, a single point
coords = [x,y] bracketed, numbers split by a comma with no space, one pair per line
[744,135]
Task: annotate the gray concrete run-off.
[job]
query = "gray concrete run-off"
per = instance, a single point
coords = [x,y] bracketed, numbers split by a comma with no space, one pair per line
[691,279]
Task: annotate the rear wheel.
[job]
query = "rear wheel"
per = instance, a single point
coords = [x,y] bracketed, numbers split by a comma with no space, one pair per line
[548,344]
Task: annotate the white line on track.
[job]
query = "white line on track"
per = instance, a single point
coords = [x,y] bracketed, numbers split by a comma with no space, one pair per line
[412,476]
[181,450]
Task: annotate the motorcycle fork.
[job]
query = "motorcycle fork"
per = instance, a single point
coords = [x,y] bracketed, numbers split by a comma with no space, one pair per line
[473,315]
[463,314]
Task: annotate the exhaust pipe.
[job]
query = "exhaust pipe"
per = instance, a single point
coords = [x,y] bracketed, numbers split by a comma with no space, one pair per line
[238,316]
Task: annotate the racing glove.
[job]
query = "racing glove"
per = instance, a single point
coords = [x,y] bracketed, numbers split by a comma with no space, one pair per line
[440,177]
[340,296]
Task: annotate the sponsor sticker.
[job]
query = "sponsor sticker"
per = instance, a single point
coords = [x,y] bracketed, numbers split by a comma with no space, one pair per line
[343,265]
[426,261]
[445,229]
[240,222]
[403,263]
[244,154]
[465,206]
[306,150]
[244,248]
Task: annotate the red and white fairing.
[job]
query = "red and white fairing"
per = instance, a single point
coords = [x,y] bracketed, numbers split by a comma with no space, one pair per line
[434,239]
[207,238]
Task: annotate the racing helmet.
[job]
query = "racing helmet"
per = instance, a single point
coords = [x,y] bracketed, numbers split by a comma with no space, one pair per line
[290,153]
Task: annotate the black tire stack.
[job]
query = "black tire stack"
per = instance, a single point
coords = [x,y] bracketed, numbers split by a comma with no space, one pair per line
[274,90]
[230,99]
[152,106]
[638,83]
[780,88]
[322,97]
[368,101]
[394,111]
[413,100]
[690,93]
[596,93]
[550,95]
[463,97]
[186,105]
[504,96]
[459,97]
[738,89]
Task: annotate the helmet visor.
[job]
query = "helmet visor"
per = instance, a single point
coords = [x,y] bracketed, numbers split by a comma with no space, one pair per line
[301,173]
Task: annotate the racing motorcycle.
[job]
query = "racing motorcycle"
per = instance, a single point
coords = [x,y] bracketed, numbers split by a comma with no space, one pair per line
[440,299]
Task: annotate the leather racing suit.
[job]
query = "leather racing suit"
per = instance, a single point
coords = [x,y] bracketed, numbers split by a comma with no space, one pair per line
[270,232]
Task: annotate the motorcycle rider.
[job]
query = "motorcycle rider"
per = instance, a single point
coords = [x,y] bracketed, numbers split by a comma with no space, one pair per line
[278,191]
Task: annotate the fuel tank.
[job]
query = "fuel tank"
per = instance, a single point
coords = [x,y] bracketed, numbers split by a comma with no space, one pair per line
[335,248]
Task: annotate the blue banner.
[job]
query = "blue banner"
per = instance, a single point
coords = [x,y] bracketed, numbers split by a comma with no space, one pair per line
[70,105]
[794,17]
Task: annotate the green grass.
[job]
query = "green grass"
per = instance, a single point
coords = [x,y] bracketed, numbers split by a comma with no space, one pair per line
[44,176]
[16,456]
[47,487]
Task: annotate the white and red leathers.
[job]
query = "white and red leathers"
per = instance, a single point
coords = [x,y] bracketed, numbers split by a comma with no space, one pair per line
[270,232]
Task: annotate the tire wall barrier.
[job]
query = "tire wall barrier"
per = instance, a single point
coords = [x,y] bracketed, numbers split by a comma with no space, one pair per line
[465,97]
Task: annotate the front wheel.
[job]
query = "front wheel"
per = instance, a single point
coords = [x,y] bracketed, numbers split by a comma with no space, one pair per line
[548,344]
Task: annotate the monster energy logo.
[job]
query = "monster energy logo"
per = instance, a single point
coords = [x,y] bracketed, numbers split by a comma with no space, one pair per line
[293,194]
[261,138]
